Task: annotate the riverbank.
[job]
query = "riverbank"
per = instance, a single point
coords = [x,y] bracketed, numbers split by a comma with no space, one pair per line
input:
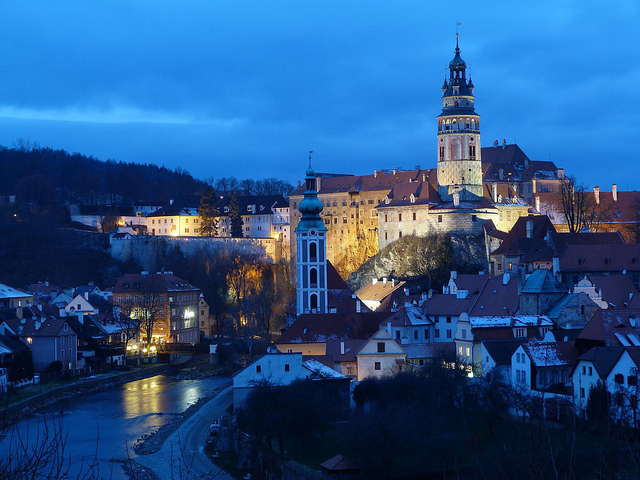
[45,396]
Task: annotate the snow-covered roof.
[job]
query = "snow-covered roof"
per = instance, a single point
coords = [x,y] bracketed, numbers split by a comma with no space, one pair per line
[550,353]
[511,321]
[9,292]
[321,369]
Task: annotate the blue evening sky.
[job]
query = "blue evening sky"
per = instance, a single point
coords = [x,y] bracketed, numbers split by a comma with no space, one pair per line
[247,88]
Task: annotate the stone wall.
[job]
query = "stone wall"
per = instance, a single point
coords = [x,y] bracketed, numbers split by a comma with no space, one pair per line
[148,250]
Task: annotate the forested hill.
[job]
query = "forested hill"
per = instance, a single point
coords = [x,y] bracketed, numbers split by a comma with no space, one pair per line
[45,176]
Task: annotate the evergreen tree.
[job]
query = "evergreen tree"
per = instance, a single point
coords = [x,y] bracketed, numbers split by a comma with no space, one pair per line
[208,212]
[235,216]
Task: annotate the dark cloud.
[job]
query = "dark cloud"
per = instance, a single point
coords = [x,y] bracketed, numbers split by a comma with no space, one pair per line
[247,88]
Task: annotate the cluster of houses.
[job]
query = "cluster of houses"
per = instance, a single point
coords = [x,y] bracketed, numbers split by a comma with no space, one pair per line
[556,314]
[83,328]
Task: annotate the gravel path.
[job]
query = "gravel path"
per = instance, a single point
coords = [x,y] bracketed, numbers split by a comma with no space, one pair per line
[181,456]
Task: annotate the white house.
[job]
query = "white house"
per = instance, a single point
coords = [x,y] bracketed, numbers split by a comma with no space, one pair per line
[593,366]
[379,356]
[278,369]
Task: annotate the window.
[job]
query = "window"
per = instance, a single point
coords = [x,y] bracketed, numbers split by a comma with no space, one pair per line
[584,370]
[66,327]
[381,347]
[464,333]
[61,340]
[415,334]
[619,378]
[400,234]
[386,217]
[582,393]
[467,352]
[590,370]
[448,319]
[459,351]
[437,333]
[377,366]
[414,216]
[397,334]
[520,332]
[426,334]
[399,217]
[287,368]
[439,218]
[70,352]
[62,353]
[632,380]
[344,220]
[448,333]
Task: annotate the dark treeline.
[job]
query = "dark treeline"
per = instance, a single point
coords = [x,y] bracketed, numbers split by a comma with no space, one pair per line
[438,423]
[41,176]
[44,176]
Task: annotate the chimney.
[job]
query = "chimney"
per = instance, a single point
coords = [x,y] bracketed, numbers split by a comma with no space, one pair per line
[504,143]
[561,173]
[393,282]
[495,144]
[395,171]
[341,348]
[81,318]
[374,281]
[417,167]
[596,194]
[318,183]
[39,306]
[529,228]
[430,293]
[538,204]
[614,192]
[494,192]
[46,283]
[298,183]
[375,174]
[86,296]
[384,280]
[37,324]
[456,199]
[424,177]
[358,308]
[501,174]
[389,328]
[171,202]
[19,312]
[406,292]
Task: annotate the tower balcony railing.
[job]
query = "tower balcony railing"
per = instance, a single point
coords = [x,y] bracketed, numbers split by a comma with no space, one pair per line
[459,130]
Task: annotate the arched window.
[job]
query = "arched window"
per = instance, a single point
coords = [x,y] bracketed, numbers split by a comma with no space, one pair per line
[313,277]
[313,251]
[313,302]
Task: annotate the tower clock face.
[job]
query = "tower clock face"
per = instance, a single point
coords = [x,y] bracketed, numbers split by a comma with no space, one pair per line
[313,232]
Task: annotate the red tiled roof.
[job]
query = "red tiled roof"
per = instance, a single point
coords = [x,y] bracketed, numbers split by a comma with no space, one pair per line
[600,258]
[312,328]
[497,299]
[615,289]
[517,242]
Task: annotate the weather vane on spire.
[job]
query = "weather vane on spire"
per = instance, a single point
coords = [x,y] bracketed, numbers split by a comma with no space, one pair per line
[457,25]
[310,152]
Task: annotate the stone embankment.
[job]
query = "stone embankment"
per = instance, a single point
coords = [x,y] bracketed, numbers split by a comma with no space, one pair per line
[85,385]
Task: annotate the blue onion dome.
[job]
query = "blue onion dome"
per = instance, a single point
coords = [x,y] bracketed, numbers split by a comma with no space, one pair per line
[310,206]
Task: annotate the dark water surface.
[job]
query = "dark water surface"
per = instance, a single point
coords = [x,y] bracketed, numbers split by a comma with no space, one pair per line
[109,420]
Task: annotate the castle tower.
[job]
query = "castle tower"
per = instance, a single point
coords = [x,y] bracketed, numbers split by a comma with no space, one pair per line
[459,162]
[311,255]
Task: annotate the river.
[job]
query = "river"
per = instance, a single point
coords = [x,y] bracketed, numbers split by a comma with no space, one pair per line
[109,420]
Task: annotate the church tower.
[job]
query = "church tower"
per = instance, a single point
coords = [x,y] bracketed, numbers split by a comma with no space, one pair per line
[459,162]
[311,255]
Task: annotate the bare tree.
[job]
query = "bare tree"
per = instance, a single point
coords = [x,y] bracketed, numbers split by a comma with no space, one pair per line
[129,326]
[577,206]
[149,309]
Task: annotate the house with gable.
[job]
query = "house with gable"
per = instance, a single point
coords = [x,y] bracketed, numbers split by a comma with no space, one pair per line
[380,356]
[622,386]
[49,338]
[593,366]
[544,366]
[610,328]
[496,358]
[280,369]
[615,291]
